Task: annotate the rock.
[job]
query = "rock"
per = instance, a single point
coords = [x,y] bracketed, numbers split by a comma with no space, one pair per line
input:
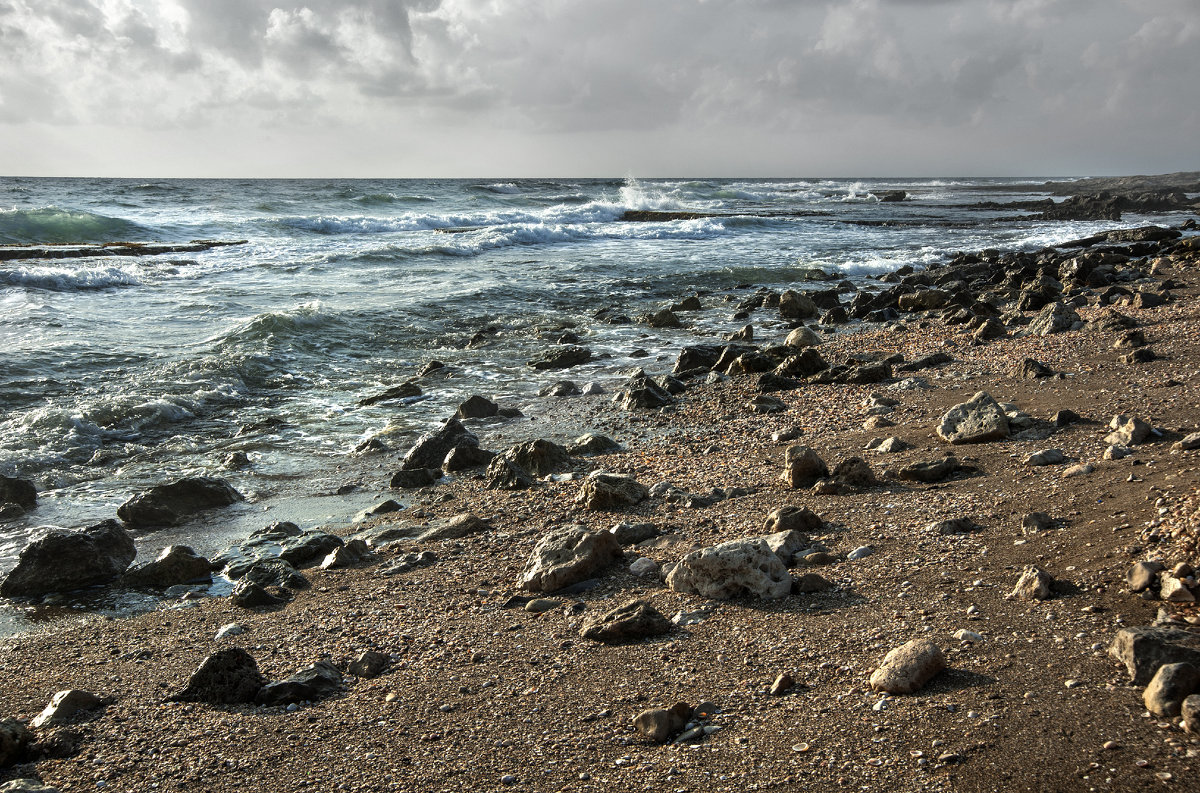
[1128,431]
[1055,317]
[1130,339]
[368,664]
[745,333]
[766,404]
[26,786]
[923,300]
[964,635]
[460,458]
[592,389]
[503,474]
[592,443]
[431,448]
[990,329]
[1065,418]
[348,555]
[771,382]
[953,526]
[1173,590]
[1143,575]
[784,683]
[1144,649]
[477,407]
[1034,522]
[1080,469]
[14,737]
[176,564]
[805,364]
[229,629]
[562,357]
[793,305]
[803,336]
[464,524]
[274,572]
[664,318]
[1141,355]
[605,491]
[643,566]
[855,472]
[403,391]
[313,682]
[792,518]
[542,605]
[1172,683]
[540,457]
[1046,457]
[635,620]
[861,552]
[412,478]
[803,466]
[250,595]
[62,561]
[908,667]
[1029,369]
[890,445]
[1190,712]
[810,583]
[697,357]
[18,491]
[689,303]
[786,544]
[978,420]
[1034,584]
[643,393]
[732,569]
[633,533]
[563,388]
[658,725]
[64,706]
[566,556]
[166,505]
[1187,444]
[227,677]
[928,472]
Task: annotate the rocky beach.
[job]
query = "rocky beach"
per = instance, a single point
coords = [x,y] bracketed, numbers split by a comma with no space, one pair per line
[934,532]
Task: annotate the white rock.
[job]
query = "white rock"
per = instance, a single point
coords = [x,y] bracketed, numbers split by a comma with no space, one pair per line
[738,567]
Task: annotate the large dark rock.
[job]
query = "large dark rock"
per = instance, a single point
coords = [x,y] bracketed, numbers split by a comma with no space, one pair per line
[166,505]
[408,390]
[1143,650]
[14,737]
[642,392]
[477,407]
[431,448]
[635,620]
[313,682]
[249,595]
[62,561]
[275,572]
[503,474]
[540,457]
[176,564]
[409,478]
[562,358]
[699,356]
[18,491]
[227,677]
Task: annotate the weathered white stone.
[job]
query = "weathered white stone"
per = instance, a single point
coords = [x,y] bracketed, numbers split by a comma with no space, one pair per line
[64,705]
[1034,584]
[738,567]
[568,555]
[908,667]
[977,420]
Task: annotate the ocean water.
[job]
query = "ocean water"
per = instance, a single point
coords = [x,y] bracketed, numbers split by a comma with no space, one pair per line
[120,373]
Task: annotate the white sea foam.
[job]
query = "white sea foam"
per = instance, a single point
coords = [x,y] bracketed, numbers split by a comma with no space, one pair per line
[66,279]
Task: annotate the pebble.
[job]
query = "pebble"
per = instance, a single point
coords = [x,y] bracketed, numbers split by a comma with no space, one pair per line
[508,779]
[542,604]
[860,552]
[964,635]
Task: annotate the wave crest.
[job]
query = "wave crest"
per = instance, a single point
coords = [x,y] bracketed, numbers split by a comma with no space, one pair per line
[52,225]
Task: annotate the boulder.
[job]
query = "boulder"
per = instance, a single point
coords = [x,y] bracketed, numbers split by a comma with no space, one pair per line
[566,556]
[1188,443]
[792,518]
[563,357]
[461,525]
[540,457]
[930,471]
[643,393]
[18,491]
[978,420]
[1055,317]
[635,620]
[411,478]
[605,491]
[166,505]
[503,474]
[1143,575]
[592,443]
[1128,431]
[923,300]
[477,407]
[432,447]
[1030,369]
[62,561]
[64,706]
[175,564]
[1034,584]
[732,569]
[1046,457]
[698,356]
[659,725]
[663,319]
[562,388]
[352,553]
[313,682]
[633,533]
[461,458]
[14,737]
[1144,649]
[1170,686]
[802,466]
[793,305]
[786,544]
[368,664]
[803,336]
[908,667]
[807,363]
[247,594]
[855,472]
[227,677]
[274,572]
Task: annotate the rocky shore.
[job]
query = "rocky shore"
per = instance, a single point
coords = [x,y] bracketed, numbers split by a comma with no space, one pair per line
[952,550]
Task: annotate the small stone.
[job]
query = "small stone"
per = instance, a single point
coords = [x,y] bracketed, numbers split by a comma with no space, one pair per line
[1035,522]
[539,605]
[1190,710]
[1173,590]
[964,635]
[658,724]
[908,668]
[783,684]
[635,620]
[230,629]
[810,583]
[1046,457]
[368,664]
[1034,584]
[803,466]
[1082,469]
[508,779]
[861,552]
[643,566]
[1188,443]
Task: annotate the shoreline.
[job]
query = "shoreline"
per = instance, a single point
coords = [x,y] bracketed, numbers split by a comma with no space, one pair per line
[476,693]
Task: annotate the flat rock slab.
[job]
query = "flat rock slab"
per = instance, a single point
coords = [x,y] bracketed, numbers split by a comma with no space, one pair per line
[1144,649]
[978,420]
[567,556]
[732,569]
[908,667]
[635,620]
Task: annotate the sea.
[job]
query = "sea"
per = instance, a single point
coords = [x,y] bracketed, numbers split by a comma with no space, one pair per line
[120,373]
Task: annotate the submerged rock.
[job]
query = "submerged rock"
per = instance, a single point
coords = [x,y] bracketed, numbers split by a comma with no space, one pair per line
[18,491]
[62,561]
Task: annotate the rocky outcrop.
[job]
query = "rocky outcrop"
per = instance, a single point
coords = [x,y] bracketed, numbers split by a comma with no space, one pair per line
[62,561]
[563,357]
[568,555]
[1054,317]
[978,420]
[732,569]
[18,491]
[166,505]
[540,457]
[1143,650]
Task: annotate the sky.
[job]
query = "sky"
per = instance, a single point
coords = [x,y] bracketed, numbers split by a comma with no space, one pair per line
[470,88]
